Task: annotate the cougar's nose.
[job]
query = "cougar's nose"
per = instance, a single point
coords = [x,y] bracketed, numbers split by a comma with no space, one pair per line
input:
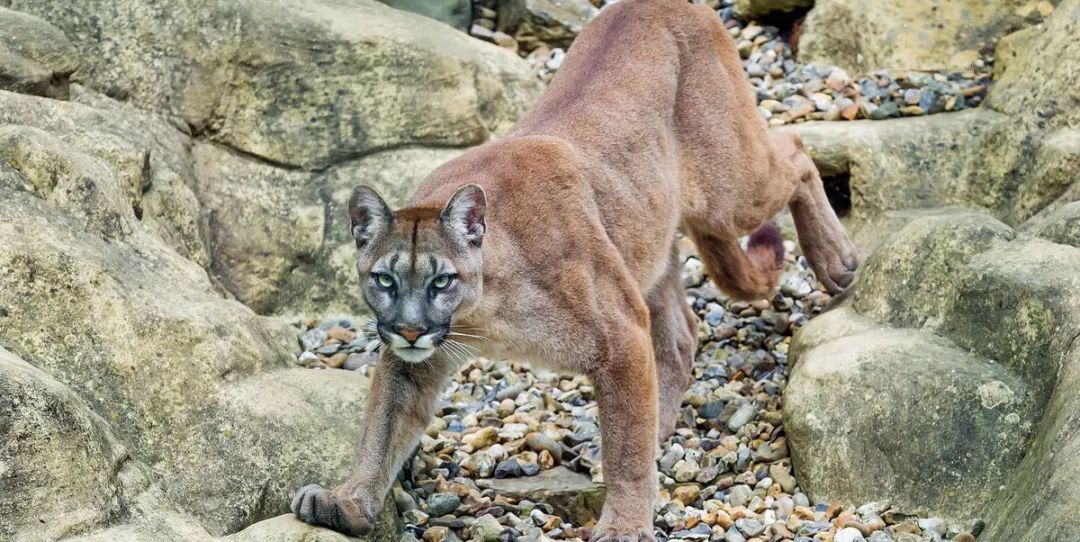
[410,332]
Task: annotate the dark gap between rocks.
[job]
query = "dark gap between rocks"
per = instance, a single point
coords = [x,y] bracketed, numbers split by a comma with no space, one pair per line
[838,190]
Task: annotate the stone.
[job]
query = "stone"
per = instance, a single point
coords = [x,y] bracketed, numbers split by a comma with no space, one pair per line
[987,355]
[300,84]
[441,504]
[58,459]
[571,495]
[456,13]
[486,529]
[848,534]
[286,528]
[554,22]
[35,57]
[686,494]
[751,9]
[898,164]
[863,36]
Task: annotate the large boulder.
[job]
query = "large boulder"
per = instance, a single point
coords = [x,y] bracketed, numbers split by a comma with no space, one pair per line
[863,36]
[296,83]
[960,348]
[903,416]
[58,459]
[142,336]
[35,57]
[552,22]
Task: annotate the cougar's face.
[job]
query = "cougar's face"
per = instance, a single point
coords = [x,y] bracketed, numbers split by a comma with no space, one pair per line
[418,266]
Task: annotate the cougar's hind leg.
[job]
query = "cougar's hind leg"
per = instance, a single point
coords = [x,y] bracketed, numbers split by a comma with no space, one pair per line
[824,242]
[674,344]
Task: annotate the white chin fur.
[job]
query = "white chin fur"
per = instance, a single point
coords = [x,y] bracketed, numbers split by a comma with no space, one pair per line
[413,355]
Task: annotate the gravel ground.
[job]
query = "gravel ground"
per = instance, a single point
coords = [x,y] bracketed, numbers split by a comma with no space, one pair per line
[514,453]
[790,92]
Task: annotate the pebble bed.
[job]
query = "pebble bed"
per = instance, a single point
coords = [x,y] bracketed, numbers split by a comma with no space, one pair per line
[724,476]
[790,92]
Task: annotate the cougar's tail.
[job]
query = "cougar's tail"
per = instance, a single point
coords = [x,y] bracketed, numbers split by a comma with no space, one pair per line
[744,274]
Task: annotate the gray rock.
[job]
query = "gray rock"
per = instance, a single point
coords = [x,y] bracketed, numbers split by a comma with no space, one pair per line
[441,504]
[573,496]
[555,22]
[751,9]
[35,57]
[456,13]
[58,459]
[306,84]
[916,35]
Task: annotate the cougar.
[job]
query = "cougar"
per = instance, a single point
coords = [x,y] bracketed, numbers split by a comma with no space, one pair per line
[554,245]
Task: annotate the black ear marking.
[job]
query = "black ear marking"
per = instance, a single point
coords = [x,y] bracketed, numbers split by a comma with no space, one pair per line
[369,215]
[464,214]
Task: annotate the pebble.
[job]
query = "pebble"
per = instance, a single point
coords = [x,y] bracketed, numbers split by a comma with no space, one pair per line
[441,504]
[848,534]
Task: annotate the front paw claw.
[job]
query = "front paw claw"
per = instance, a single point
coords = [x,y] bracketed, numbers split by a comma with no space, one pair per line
[315,505]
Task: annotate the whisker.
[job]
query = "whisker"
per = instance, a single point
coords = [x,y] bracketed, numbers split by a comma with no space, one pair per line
[459,349]
[465,347]
[478,337]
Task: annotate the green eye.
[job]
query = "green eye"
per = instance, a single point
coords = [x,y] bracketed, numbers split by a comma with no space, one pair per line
[384,280]
[441,281]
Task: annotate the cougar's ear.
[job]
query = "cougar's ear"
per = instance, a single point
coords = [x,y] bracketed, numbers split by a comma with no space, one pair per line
[464,213]
[368,215]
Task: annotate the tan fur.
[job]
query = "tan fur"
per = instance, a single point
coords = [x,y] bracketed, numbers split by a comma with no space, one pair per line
[649,126]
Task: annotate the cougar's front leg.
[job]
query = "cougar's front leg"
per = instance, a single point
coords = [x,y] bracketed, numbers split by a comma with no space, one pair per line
[400,405]
[626,386]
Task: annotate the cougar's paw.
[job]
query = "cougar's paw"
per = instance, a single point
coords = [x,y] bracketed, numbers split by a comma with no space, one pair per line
[608,533]
[315,505]
[836,267]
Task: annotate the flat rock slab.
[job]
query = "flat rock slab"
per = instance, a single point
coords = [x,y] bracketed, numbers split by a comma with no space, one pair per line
[572,495]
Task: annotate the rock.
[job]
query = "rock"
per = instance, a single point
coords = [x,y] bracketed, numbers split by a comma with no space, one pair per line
[553,22]
[456,13]
[997,295]
[58,459]
[481,439]
[508,469]
[742,416]
[571,495]
[539,442]
[35,57]
[897,164]
[863,36]
[751,9]
[486,529]
[299,84]
[1061,226]
[441,504]
[286,528]
[686,494]
[750,527]
[848,534]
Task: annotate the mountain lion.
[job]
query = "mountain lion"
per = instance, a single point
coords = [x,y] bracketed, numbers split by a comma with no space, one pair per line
[554,245]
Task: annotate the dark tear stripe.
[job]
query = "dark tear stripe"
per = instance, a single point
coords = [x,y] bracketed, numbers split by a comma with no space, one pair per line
[412,255]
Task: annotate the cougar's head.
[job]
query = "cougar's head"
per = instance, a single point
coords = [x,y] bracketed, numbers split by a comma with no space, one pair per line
[418,266]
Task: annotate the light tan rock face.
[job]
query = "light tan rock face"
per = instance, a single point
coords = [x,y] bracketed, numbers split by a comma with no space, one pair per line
[248,109]
[945,379]
[195,386]
[297,83]
[58,459]
[864,36]
[35,57]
